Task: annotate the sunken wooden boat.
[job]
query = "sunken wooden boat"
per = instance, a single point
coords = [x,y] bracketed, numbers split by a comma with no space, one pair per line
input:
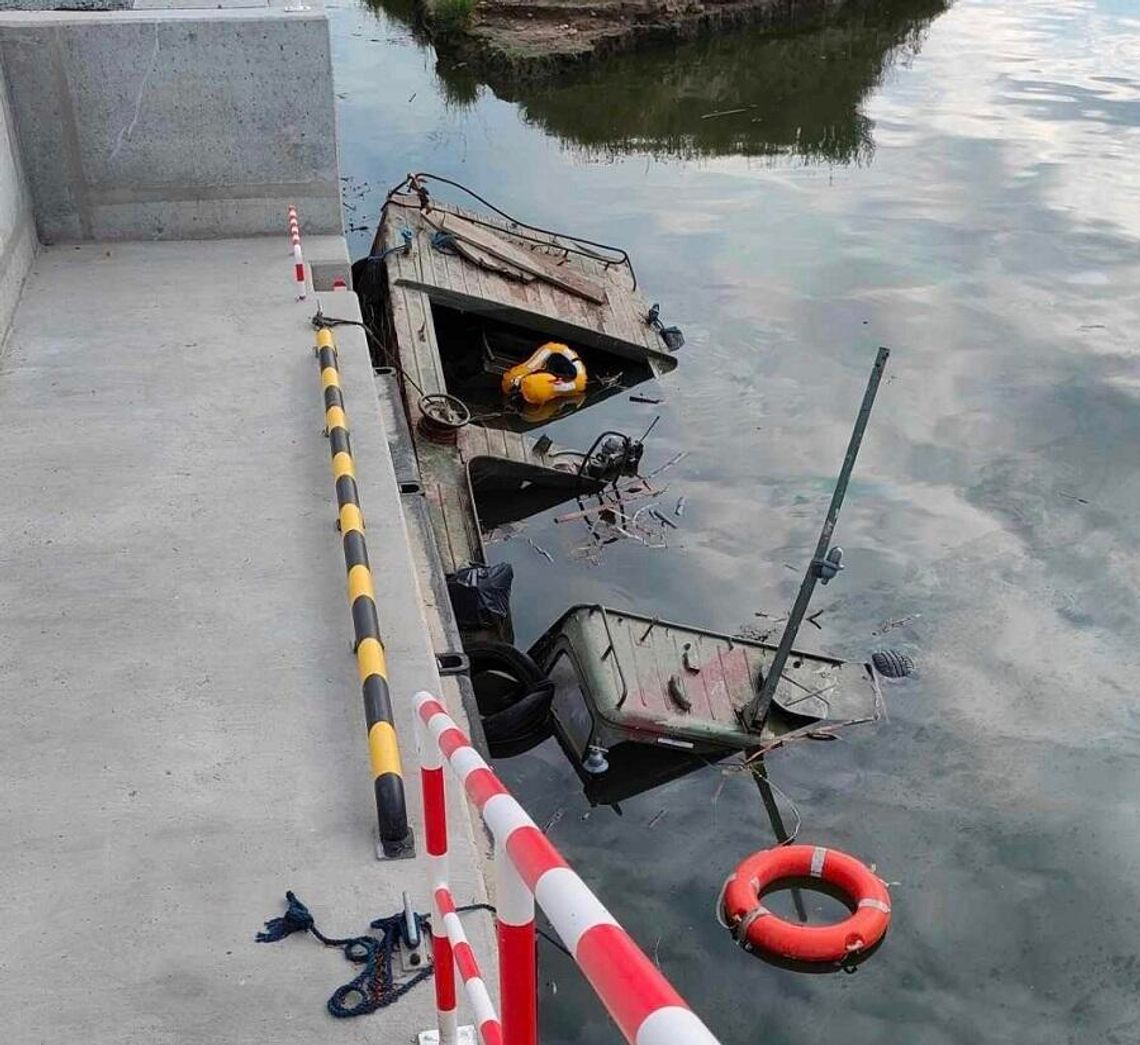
[658,699]
[454,298]
[649,700]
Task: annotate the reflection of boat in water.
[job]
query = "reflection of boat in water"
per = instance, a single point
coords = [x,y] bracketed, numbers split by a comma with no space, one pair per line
[639,701]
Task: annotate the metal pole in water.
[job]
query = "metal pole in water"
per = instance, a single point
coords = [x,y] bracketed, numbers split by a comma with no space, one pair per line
[760,775]
[824,564]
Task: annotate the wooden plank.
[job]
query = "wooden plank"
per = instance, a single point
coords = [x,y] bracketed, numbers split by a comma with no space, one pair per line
[555,300]
[614,277]
[475,255]
[449,270]
[626,306]
[468,440]
[521,295]
[401,262]
[481,259]
[436,267]
[556,303]
[405,200]
[433,495]
[466,542]
[552,323]
[425,343]
[421,345]
[521,448]
[402,332]
[410,359]
[570,305]
[462,284]
[629,327]
[592,314]
[475,442]
[527,260]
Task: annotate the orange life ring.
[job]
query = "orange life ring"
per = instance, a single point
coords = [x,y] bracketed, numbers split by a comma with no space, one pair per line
[753,924]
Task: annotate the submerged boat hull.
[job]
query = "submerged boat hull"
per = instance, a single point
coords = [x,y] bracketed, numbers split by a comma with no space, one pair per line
[447,310]
[628,678]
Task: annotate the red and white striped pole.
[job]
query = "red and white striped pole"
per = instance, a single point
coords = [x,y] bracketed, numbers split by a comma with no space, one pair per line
[486,1021]
[643,1004]
[295,247]
[435,841]
[518,955]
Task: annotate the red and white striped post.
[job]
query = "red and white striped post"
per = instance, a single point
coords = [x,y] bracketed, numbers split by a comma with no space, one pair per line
[643,1004]
[518,955]
[435,841]
[487,1022]
[295,247]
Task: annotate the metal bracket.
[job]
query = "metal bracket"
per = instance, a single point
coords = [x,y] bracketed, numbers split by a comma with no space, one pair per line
[672,336]
[827,568]
[413,949]
[452,662]
[415,959]
[595,763]
[405,850]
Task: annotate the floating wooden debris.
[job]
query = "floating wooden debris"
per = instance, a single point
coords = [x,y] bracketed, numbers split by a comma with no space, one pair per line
[538,548]
[890,625]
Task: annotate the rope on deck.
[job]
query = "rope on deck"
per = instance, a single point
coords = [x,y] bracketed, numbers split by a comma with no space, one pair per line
[375,987]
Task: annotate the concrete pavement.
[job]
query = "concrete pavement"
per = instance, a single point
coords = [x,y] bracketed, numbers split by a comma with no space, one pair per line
[183,734]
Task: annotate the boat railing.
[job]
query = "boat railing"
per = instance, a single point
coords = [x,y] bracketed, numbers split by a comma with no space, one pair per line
[605,254]
[396,838]
[612,652]
[528,868]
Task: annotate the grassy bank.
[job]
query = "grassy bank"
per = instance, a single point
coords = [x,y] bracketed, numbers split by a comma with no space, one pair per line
[539,38]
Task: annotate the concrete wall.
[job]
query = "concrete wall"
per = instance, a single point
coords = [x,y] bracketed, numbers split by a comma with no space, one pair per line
[65,5]
[175,124]
[17,230]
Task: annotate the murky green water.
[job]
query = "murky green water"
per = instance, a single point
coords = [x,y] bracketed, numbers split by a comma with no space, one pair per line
[963,186]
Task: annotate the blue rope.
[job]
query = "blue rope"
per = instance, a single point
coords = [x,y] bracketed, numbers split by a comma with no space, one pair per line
[296,919]
[405,247]
[375,986]
[444,242]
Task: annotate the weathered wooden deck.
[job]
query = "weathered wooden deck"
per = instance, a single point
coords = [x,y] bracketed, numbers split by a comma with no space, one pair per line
[425,274]
[422,275]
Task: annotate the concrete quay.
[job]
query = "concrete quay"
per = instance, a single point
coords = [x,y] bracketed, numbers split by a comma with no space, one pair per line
[184,732]
[184,737]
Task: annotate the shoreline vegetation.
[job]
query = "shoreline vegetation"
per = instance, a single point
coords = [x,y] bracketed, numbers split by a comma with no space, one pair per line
[751,90]
[538,39]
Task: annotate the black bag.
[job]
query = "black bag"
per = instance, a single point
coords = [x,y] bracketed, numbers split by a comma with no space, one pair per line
[481,595]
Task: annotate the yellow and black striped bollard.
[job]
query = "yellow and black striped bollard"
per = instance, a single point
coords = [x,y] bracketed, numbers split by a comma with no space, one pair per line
[388,780]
